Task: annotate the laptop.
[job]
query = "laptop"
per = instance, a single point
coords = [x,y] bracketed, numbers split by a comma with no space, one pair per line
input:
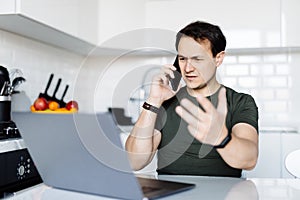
[84,153]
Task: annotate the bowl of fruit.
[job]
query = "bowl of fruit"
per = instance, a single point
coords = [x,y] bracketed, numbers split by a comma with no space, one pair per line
[42,105]
[50,104]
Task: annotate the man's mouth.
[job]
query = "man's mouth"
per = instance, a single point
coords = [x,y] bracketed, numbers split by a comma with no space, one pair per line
[190,77]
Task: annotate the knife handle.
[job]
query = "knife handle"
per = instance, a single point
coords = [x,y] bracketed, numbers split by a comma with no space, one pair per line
[57,86]
[64,94]
[49,82]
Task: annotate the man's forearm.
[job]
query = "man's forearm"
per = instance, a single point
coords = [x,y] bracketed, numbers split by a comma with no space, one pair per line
[141,145]
[241,152]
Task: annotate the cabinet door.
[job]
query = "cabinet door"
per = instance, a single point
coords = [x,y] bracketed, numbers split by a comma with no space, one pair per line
[290,28]
[269,160]
[246,24]
[75,17]
[290,142]
[7,7]
[118,17]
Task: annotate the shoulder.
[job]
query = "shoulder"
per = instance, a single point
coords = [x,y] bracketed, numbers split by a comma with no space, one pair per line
[241,108]
[236,98]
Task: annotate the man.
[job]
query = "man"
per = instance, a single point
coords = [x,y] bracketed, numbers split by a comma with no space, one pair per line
[203,128]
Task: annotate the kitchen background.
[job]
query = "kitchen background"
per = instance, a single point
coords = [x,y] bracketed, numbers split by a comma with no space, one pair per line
[107,52]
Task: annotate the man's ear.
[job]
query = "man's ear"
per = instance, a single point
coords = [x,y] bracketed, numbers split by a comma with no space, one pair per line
[219,58]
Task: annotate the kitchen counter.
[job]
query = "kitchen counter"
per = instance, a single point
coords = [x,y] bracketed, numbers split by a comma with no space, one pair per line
[206,188]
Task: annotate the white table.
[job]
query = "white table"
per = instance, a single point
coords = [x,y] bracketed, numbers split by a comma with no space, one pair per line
[209,188]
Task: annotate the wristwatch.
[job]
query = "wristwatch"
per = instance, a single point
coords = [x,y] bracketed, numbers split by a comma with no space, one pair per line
[150,107]
[224,142]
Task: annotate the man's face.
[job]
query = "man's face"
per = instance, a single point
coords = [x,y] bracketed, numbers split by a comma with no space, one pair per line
[196,62]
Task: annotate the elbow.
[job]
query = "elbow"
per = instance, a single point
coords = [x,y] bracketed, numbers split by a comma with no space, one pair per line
[136,167]
[251,163]
[136,164]
[250,166]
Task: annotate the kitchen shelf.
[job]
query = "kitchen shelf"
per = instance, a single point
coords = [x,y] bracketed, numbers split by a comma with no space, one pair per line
[27,27]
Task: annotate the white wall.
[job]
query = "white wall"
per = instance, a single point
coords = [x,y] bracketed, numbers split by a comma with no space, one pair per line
[106,81]
[37,61]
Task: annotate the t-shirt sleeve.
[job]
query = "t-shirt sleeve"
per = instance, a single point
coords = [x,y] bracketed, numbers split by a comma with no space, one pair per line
[246,111]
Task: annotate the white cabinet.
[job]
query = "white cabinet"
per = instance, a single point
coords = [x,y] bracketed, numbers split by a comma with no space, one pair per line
[69,24]
[290,28]
[273,149]
[246,24]
[290,142]
[75,17]
[119,17]
[269,161]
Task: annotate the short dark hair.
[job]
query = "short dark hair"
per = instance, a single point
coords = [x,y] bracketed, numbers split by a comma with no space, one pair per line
[203,30]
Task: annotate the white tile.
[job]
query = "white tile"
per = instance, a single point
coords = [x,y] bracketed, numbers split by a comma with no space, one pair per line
[274,82]
[230,59]
[6,57]
[248,82]
[275,58]
[267,69]
[264,94]
[282,117]
[249,59]
[283,94]
[255,69]
[275,106]
[229,81]
[282,69]
[237,70]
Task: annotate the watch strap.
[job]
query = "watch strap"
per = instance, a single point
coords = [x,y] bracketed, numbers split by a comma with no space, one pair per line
[150,107]
[224,142]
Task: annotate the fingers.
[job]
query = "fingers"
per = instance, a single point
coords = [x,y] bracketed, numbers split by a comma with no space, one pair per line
[192,109]
[205,103]
[208,106]
[195,126]
[222,105]
[193,115]
[163,78]
[168,70]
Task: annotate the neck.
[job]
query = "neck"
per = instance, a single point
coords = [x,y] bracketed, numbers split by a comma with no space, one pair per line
[207,89]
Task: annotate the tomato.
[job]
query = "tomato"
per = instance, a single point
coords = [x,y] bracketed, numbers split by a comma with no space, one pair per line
[40,104]
[72,105]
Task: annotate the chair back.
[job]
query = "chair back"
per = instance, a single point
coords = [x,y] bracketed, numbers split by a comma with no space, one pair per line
[292,163]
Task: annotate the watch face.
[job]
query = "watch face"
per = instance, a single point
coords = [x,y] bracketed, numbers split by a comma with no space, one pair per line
[148,106]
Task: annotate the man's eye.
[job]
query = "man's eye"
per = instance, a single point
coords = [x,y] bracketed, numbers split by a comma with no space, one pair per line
[182,58]
[197,59]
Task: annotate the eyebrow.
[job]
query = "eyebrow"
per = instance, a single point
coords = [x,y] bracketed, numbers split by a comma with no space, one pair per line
[198,56]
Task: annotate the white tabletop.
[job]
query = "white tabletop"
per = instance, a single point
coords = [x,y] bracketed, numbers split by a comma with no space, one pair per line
[206,188]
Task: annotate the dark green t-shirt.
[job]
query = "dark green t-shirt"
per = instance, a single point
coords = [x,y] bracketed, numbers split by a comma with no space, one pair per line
[179,153]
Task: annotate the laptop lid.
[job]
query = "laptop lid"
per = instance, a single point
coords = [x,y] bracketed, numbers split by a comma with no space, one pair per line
[83,152]
[79,152]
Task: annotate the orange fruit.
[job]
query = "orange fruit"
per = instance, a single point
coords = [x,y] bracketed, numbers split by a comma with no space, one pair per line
[53,105]
[32,108]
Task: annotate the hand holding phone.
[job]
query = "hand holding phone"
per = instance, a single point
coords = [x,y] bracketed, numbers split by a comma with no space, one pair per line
[177,76]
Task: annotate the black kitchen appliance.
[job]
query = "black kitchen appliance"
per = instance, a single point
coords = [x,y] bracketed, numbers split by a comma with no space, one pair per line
[17,171]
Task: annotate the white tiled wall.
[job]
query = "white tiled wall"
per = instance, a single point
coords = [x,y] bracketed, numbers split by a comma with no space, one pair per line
[271,76]
[37,61]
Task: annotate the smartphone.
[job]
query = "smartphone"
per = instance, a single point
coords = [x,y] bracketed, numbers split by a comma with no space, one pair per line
[177,76]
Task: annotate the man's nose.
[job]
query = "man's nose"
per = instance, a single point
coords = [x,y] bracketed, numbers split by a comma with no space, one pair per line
[188,66]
